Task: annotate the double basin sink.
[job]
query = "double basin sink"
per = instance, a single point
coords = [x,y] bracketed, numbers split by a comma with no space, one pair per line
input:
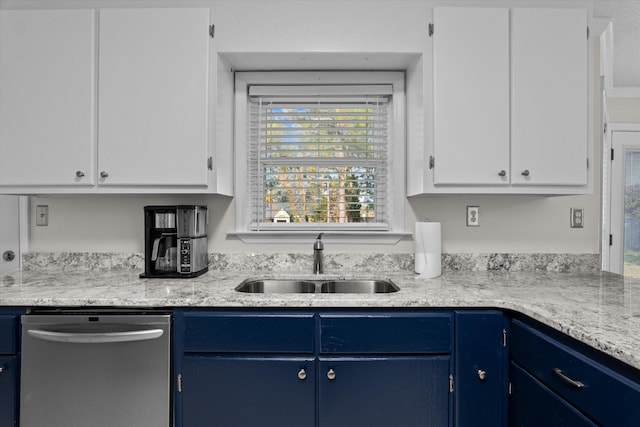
[344,286]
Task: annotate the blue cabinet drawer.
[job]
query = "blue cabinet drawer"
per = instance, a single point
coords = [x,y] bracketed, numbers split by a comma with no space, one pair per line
[534,405]
[8,334]
[386,332]
[602,393]
[239,332]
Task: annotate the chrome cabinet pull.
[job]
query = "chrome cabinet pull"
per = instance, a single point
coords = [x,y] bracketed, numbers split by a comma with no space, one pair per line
[1,369]
[502,173]
[302,374]
[79,174]
[577,384]
[525,172]
[104,174]
[482,375]
[331,374]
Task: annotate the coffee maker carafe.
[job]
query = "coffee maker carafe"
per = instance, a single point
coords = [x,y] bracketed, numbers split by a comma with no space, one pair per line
[175,242]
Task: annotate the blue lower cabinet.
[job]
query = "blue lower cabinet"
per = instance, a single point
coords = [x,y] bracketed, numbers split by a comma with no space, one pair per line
[532,404]
[480,369]
[248,391]
[383,391]
[9,365]
[8,390]
[329,368]
[602,389]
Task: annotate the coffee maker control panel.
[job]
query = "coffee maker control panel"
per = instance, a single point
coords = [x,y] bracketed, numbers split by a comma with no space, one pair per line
[185,255]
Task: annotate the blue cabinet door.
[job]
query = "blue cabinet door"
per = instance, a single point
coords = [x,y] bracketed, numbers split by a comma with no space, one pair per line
[532,404]
[383,391]
[8,390]
[227,391]
[480,369]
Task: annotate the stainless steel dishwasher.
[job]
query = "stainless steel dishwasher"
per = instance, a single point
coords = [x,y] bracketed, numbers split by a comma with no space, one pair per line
[95,369]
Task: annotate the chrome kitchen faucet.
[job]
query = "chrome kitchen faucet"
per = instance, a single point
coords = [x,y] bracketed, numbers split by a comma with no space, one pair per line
[318,247]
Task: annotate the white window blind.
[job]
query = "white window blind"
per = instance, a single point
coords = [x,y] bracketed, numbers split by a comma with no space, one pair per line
[318,156]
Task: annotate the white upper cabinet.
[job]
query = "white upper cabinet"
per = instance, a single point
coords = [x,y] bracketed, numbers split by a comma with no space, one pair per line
[152,103]
[549,97]
[510,103]
[47,98]
[108,101]
[471,96]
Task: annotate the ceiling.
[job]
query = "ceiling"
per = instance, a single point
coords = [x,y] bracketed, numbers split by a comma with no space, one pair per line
[625,16]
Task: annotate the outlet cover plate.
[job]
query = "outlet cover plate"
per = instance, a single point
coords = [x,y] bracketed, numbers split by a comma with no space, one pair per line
[577,218]
[473,216]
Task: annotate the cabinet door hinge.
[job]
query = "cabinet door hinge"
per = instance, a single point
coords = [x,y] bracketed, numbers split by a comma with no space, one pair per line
[604,128]
[510,391]
[504,338]
[450,383]
[179,383]
[212,30]
[587,33]
[587,163]
[612,154]
[210,163]
[610,239]
[432,162]
[430,29]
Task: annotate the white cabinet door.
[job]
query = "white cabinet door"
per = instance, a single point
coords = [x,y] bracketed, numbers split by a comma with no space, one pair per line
[549,119]
[47,87]
[153,97]
[471,96]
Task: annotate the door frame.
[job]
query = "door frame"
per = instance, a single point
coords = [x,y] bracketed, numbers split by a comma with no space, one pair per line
[612,223]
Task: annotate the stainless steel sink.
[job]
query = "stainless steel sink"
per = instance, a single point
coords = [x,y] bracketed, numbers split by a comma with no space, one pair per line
[359,287]
[275,286]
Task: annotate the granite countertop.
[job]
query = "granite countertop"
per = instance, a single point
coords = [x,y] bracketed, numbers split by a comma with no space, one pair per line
[599,309]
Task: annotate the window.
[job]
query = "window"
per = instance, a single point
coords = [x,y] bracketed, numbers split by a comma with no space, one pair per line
[320,151]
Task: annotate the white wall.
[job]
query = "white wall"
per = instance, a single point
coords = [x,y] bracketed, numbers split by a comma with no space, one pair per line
[524,224]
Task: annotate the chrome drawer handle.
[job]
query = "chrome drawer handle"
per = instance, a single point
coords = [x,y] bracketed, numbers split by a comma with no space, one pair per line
[577,384]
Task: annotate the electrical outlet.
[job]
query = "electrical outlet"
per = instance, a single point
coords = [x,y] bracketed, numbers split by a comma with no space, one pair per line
[42,215]
[577,218]
[473,216]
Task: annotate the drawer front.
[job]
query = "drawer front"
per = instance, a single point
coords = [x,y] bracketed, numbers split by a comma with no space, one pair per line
[228,332]
[534,405]
[387,333]
[8,334]
[603,394]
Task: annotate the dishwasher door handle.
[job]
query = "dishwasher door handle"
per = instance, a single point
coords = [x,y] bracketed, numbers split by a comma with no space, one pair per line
[95,338]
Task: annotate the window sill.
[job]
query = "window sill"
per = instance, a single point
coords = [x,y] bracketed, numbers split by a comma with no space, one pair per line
[340,237]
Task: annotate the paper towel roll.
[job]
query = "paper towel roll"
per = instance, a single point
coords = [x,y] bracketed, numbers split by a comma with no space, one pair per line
[428,242]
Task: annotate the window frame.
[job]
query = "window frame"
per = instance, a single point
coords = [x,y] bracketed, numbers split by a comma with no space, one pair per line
[396,159]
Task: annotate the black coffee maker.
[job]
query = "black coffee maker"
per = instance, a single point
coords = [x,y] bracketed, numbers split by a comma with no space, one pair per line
[175,241]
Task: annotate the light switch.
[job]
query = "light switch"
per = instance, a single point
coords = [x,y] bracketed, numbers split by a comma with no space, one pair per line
[42,215]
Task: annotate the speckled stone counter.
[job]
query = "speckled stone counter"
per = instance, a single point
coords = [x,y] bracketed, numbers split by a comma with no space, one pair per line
[600,309]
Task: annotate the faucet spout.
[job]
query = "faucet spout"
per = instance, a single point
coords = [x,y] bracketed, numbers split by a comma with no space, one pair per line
[318,247]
